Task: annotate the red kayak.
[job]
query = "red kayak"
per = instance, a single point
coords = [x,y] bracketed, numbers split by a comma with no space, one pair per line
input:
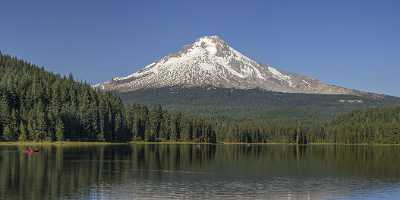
[30,151]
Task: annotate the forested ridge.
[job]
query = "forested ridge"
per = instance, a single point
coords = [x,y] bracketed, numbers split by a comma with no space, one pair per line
[41,106]
[366,126]
[36,105]
[375,125]
[238,104]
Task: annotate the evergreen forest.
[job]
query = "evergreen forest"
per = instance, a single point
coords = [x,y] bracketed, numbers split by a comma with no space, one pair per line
[37,105]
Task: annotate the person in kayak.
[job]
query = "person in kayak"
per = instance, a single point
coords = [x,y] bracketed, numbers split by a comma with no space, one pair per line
[30,151]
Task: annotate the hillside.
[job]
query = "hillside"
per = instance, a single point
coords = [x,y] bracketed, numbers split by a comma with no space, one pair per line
[379,125]
[36,105]
[253,103]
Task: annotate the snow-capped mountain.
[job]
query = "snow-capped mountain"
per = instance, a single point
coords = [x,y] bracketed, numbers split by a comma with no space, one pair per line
[211,62]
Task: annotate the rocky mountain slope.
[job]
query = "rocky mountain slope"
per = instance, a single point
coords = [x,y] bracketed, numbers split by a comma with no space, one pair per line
[211,62]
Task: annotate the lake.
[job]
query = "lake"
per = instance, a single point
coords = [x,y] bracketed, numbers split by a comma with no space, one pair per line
[200,172]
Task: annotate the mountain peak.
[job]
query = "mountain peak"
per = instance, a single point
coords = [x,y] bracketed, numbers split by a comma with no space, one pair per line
[212,44]
[210,61]
[211,37]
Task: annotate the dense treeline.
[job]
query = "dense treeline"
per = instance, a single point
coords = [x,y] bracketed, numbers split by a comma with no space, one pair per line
[375,125]
[36,105]
[239,104]
[366,126]
[157,125]
[40,106]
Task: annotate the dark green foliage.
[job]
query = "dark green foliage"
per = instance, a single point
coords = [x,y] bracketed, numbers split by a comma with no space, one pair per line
[377,125]
[155,125]
[259,116]
[41,106]
[59,130]
[38,105]
[374,125]
[254,104]
[23,134]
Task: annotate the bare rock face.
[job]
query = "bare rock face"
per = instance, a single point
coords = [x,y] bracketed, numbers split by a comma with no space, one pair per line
[211,62]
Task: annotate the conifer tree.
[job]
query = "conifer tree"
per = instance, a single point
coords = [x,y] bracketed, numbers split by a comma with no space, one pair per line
[23,135]
[59,130]
[7,133]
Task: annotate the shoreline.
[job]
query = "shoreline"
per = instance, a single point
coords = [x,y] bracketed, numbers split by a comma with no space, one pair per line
[86,143]
[65,143]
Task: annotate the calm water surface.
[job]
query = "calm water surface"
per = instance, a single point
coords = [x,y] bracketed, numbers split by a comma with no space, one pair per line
[201,172]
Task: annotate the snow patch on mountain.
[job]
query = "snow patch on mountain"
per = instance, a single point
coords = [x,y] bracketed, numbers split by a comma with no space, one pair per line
[210,61]
[277,74]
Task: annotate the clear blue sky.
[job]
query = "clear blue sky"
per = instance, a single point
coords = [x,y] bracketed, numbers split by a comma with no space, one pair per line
[355,44]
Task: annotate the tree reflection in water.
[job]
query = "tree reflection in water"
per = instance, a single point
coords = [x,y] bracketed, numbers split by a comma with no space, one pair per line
[76,172]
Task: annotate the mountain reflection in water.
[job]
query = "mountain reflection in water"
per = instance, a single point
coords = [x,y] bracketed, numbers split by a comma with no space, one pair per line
[201,172]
